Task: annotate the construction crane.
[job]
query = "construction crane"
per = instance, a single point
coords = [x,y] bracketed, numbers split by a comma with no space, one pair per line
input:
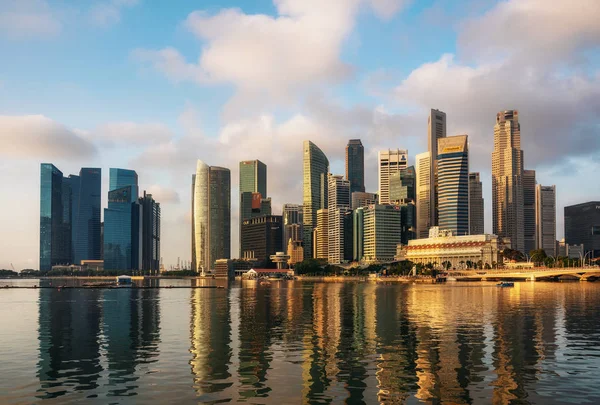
[13,267]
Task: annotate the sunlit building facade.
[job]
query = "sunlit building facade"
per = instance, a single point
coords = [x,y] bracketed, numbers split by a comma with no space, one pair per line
[390,161]
[453,184]
[423,193]
[436,130]
[339,205]
[315,169]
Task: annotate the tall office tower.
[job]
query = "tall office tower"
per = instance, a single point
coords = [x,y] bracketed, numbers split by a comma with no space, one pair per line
[122,222]
[453,184]
[253,189]
[348,235]
[262,237]
[315,169]
[211,216]
[358,233]
[74,182]
[529,215]
[321,240]
[436,130]
[423,193]
[582,227]
[55,218]
[381,232]
[292,223]
[507,180]
[355,165]
[403,194]
[476,207]
[545,218]
[122,178]
[390,161]
[361,199]
[338,204]
[86,214]
[150,238]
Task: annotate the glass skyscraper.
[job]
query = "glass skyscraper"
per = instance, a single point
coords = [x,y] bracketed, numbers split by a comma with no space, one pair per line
[86,191]
[253,192]
[55,218]
[315,169]
[453,184]
[122,222]
[150,238]
[355,165]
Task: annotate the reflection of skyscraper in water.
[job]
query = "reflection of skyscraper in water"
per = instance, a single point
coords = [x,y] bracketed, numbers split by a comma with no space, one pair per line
[131,319]
[210,341]
[69,330]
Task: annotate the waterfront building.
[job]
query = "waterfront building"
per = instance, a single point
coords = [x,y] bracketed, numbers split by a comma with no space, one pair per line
[361,199]
[443,246]
[55,218]
[253,191]
[292,222]
[390,161]
[322,234]
[529,211]
[507,180]
[545,218]
[423,193]
[436,130]
[150,237]
[86,207]
[211,216]
[224,269]
[315,169]
[355,165]
[582,227]
[122,229]
[295,252]
[119,178]
[476,206]
[453,184]
[381,232]
[339,204]
[262,237]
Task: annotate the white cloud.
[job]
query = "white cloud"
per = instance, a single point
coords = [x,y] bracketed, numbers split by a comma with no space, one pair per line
[163,195]
[36,136]
[109,12]
[28,18]
[269,58]
[130,133]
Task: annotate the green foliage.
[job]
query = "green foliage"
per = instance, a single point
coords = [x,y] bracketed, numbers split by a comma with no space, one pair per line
[538,256]
[310,267]
[8,273]
[511,254]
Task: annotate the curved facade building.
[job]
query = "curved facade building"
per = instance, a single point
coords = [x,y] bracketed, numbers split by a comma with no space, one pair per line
[315,169]
[453,184]
[211,216]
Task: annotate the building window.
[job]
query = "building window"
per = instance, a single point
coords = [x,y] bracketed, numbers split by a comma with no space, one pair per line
[596,230]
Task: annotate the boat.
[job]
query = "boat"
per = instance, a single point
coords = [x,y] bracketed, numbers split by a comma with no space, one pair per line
[124,281]
[505,284]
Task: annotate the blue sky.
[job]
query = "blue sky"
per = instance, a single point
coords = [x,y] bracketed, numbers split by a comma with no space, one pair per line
[155,85]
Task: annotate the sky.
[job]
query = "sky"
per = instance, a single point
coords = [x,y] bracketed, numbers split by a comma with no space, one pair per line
[155,85]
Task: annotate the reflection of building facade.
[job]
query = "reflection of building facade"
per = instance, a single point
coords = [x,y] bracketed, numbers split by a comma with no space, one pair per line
[442,246]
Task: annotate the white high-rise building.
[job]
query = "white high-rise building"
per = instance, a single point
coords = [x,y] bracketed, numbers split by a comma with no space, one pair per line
[390,161]
[423,194]
[545,218]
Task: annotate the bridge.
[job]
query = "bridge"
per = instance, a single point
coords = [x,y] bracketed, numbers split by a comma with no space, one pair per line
[582,273]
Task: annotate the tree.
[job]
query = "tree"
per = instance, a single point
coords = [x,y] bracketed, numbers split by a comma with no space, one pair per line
[446,264]
[538,256]
[513,255]
[309,266]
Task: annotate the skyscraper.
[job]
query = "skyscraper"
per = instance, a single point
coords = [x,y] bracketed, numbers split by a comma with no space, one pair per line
[453,184]
[315,169]
[211,216]
[507,179]
[55,218]
[390,161]
[355,165]
[423,193]
[545,218]
[150,237]
[436,130]
[381,232]
[292,223]
[360,199]
[582,227]
[122,222]
[529,215]
[403,194]
[476,206]
[338,205]
[86,194]
[322,234]
[262,237]
[253,190]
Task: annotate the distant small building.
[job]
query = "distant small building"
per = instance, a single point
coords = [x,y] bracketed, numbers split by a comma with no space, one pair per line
[95,265]
[224,269]
[295,251]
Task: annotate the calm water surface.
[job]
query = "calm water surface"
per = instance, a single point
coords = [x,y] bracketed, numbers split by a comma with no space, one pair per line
[299,342]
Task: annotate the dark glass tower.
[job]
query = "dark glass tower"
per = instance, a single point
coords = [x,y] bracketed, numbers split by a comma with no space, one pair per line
[122,222]
[355,165]
[219,214]
[253,192]
[86,191]
[150,239]
[55,218]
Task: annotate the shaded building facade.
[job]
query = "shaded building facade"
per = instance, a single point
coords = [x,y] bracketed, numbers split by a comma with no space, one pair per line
[453,184]
[55,218]
[476,206]
[87,197]
[582,227]
[355,165]
[339,205]
[529,211]
[262,237]
[253,191]
[150,237]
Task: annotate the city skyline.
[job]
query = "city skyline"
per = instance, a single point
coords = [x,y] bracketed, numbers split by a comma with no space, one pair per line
[123,112]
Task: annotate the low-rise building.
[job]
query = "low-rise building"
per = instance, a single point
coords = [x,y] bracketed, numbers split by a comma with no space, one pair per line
[443,246]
